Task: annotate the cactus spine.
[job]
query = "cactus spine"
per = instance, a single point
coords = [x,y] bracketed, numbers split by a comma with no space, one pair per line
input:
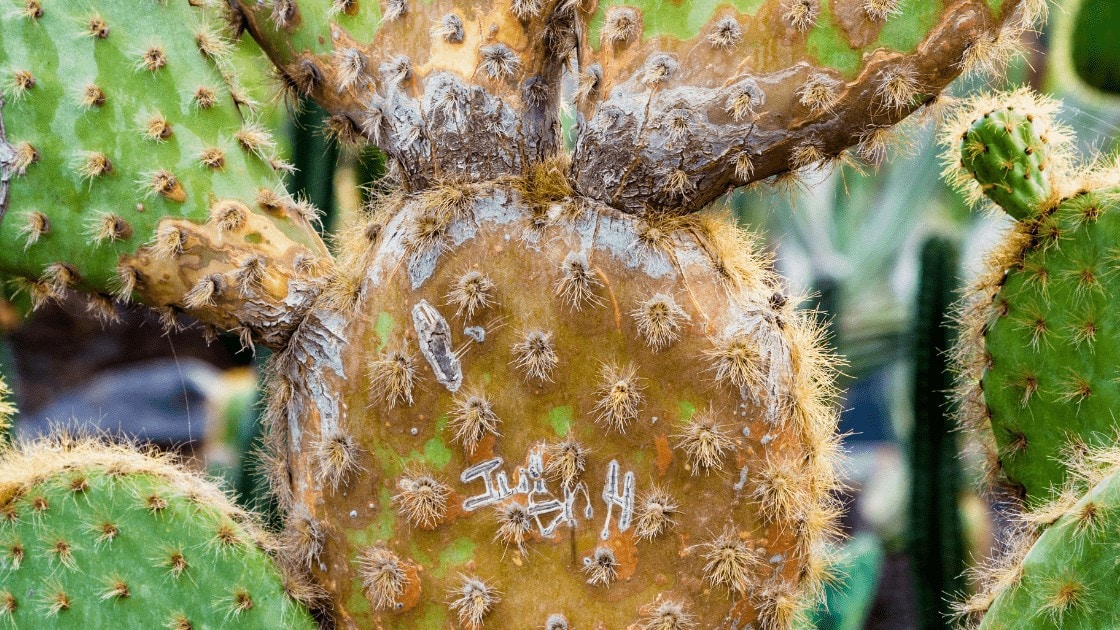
[98,536]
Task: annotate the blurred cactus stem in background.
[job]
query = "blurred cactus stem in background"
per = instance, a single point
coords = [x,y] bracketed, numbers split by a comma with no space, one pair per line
[936,542]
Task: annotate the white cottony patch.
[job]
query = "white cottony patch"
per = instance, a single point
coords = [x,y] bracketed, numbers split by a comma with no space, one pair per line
[539,499]
[434,336]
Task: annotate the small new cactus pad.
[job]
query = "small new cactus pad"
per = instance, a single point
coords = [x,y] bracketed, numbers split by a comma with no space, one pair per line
[1007,155]
[678,101]
[103,537]
[131,165]
[1061,569]
[1037,351]
[521,406]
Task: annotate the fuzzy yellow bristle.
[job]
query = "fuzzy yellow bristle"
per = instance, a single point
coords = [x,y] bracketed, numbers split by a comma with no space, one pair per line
[336,456]
[92,96]
[56,602]
[472,599]
[566,461]
[350,64]
[421,499]
[578,282]
[898,88]
[304,536]
[819,93]
[601,567]
[158,129]
[880,10]
[499,61]
[779,605]
[705,442]
[32,9]
[473,291]
[621,25]
[535,355]
[678,184]
[116,588]
[204,291]
[666,615]
[383,577]
[108,228]
[726,34]
[153,59]
[168,242]
[24,156]
[59,277]
[35,226]
[1063,597]
[94,164]
[729,562]
[205,97]
[125,282]
[618,396]
[801,14]
[806,155]
[472,419]
[659,320]
[656,512]
[392,377]
[165,184]
[779,488]
[737,362]
[213,158]
[514,525]
[228,215]
[18,85]
[255,140]
[212,44]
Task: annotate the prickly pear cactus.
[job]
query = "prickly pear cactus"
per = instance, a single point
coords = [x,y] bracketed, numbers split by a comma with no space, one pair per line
[522,405]
[1038,343]
[131,165]
[98,536]
[1056,574]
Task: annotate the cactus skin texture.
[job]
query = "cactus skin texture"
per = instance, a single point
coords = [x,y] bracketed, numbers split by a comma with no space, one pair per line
[1038,342]
[1057,573]
[678,101]
[665,351]
[936,543]
[132,167]
[99,536]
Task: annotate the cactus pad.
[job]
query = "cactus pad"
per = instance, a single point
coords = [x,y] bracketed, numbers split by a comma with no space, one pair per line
[1059,574]
[130,164]
[1008,156]
[531,406]
[1037,351]
[97,536]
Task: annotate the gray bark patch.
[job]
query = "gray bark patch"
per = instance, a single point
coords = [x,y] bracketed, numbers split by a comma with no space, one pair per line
[434,336]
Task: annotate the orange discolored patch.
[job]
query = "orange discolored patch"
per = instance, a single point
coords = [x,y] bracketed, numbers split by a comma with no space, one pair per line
[664,453]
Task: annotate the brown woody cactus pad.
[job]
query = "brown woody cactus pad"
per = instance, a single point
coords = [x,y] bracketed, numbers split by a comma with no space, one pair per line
[521,406]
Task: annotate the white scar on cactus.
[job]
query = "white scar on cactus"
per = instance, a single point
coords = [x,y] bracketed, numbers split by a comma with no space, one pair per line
[531,484]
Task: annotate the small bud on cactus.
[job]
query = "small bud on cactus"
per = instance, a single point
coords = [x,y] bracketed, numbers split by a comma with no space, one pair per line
[99,536]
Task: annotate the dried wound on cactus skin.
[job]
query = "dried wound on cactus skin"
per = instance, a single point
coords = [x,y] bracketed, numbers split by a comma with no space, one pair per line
[662,495]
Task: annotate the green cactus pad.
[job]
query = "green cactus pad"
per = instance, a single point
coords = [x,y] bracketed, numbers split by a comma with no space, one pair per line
[1040,336]
[95,536]
[119,119]
[1008,156]
[1065,579]
[1051,383]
